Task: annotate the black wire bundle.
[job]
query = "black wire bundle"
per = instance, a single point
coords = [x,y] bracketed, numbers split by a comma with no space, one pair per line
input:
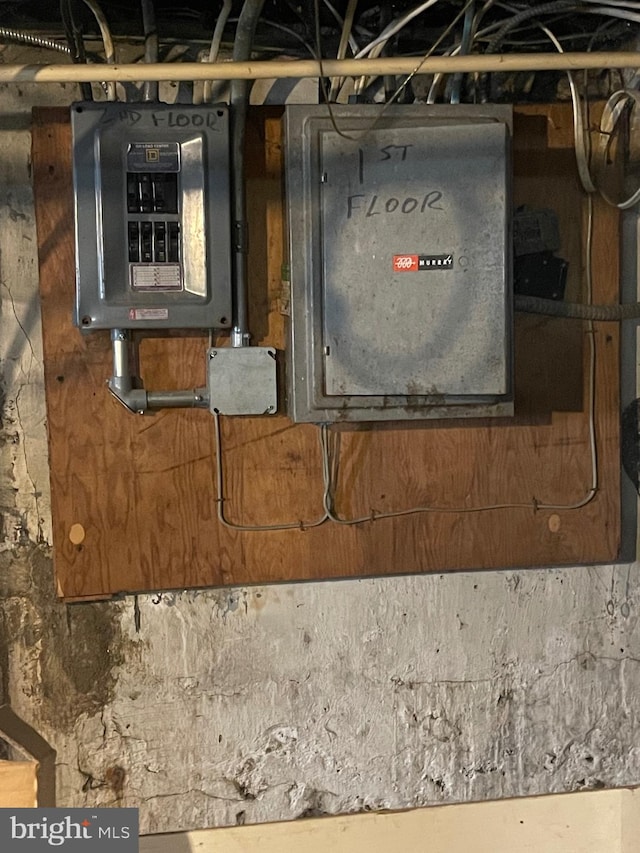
[74,36]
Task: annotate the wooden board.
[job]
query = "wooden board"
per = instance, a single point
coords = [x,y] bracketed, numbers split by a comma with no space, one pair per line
[585,822]
[139,492]
[18,784]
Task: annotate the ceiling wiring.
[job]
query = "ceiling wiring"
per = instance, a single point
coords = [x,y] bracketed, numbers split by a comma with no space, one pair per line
[349,26]
[465,47]
[107,40]
[75,43]
[151,87]
[216,42]
[345,40]
[374,47]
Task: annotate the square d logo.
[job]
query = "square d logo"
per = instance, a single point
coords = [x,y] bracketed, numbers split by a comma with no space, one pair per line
[152,155]
[69,830]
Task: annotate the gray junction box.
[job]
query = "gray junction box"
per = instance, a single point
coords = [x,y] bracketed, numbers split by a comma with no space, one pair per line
[400,262]
[153,229]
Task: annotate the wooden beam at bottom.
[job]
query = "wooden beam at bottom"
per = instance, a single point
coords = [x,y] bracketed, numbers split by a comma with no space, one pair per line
[585,822]
[18,784]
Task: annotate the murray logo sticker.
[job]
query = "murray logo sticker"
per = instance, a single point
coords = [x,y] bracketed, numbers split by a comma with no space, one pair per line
[69,830]
[415,263]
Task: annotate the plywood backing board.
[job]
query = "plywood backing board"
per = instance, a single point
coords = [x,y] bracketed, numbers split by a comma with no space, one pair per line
[134,498]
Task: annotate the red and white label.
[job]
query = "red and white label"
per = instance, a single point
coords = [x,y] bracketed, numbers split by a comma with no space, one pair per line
[148,313]
[405,263]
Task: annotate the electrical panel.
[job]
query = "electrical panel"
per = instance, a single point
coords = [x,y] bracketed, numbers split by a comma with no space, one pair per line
[153,232]
[400,262]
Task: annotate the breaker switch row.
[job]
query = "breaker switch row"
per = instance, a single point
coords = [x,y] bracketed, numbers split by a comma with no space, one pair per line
[152,192]
[154,242]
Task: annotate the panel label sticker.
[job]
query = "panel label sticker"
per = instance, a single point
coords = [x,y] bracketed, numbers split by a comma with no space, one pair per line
[413,263]
[156,277]
[148,313]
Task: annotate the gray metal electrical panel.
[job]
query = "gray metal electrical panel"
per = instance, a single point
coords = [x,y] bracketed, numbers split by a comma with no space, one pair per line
[400,262]
[153,232]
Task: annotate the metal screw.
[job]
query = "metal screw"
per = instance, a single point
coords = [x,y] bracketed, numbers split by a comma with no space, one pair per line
[270,408]
[197,398]
[122,336]
[140,412]
[212,354]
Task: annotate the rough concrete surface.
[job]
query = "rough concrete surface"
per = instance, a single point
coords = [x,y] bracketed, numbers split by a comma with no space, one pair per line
[262,704]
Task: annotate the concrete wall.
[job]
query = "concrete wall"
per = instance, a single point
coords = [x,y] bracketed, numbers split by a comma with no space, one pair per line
[262,704]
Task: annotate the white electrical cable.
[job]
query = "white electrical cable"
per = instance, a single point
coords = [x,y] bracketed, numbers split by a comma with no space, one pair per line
[375,47]
[216,41]
[580,138]
[438,78]
[107,40]
[393,28]
[613,110]
[255,528]
[353,44]
[347,27]
[420,67]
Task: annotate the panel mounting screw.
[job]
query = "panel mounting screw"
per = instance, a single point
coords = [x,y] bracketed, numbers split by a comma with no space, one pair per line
[212,354]
[270,408]
[122,336]
[140,412]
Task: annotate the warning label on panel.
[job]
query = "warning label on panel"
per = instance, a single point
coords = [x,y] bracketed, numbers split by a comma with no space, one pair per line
[148,313]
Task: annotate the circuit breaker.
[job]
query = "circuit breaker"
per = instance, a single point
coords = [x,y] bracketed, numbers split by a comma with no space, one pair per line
[400,262]
[152,212]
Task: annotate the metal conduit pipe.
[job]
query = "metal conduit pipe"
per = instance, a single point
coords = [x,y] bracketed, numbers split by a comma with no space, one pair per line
[239,102]
[577,310]
[125,387]
[532,12]
[151,46]
[304,68]
[7,34]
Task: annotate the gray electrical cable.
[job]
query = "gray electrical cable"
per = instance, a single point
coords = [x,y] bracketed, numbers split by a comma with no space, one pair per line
[519,18]
[239,101]
[577,310]
[465,47]
[7,34]
[151,87]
